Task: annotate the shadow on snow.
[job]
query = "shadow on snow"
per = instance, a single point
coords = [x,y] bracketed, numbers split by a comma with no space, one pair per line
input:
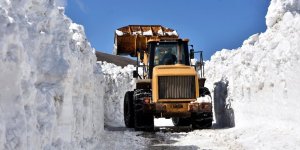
[224,113]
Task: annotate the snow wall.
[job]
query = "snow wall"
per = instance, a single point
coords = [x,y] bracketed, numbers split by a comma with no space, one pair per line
[51,88]
[117,82]
[54,95]
[256,87]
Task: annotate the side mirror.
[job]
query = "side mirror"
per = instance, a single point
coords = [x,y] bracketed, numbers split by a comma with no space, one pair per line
[135,74]
[142,55]
[192,54]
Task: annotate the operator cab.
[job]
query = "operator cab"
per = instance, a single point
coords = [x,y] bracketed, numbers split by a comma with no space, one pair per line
[168,53]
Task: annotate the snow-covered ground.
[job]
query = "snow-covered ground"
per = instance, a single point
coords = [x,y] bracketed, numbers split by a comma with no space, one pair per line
[54,95]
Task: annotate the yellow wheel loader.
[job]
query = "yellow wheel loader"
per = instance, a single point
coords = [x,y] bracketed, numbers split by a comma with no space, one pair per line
[167,84]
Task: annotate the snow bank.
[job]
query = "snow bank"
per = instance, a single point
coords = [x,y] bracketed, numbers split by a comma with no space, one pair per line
[50,85]
[278,8]
[118,81]
[256,87]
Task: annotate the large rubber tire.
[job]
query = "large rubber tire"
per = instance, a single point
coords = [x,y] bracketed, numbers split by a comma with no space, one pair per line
[128,109]
[204,91]
[202,120]
[181,121]
[143,121]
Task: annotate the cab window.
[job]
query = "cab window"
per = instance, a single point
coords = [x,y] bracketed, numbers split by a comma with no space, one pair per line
[168,54]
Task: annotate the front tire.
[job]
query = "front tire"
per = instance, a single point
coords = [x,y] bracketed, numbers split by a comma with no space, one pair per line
[143,121]
[202,120]
[177,121]
[128,110]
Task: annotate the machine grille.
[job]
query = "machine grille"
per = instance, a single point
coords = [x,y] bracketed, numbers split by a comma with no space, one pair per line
[176,87]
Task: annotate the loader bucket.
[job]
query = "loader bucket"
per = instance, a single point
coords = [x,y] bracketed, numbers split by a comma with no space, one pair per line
[131,38]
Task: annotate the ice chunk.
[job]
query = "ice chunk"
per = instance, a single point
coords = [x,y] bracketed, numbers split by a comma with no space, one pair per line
[160,32]
[172,33]
[137,33]
[148,33]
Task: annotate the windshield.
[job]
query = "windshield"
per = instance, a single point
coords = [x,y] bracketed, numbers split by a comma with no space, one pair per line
[168,54]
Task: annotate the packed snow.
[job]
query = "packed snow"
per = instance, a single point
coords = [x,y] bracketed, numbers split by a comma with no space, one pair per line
[137,33]
[148,33]
[117,81]
[119,33]
[50,84]
[172,33]
[54,95]
[260,81]
[160,32]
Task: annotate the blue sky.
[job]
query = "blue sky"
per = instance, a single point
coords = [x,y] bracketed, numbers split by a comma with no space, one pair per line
[210,25]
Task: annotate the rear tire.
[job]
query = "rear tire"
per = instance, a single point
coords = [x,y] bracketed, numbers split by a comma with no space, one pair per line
[128,109]
[181,121]
[202,120]
[143,121]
